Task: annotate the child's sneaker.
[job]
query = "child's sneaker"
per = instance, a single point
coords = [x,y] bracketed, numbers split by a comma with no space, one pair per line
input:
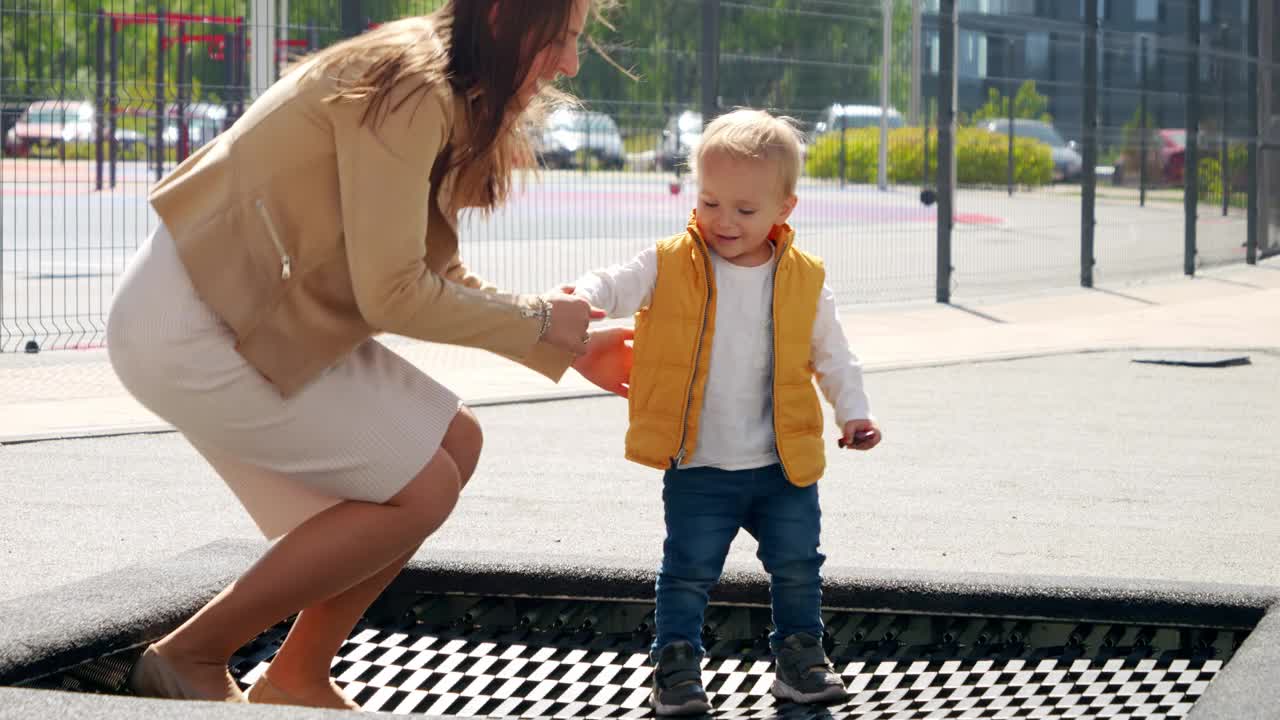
[803,674]
[677,682]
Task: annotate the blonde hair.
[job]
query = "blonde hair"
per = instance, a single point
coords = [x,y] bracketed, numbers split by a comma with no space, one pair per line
[484,62]
[746,134]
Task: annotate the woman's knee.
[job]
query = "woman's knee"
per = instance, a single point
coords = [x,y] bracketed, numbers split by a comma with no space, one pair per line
[463,441]
[432,494]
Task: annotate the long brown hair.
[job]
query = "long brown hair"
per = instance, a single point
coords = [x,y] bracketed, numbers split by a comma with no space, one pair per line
[485,62]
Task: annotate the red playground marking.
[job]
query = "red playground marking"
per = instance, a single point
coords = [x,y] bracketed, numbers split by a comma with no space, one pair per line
[978,219]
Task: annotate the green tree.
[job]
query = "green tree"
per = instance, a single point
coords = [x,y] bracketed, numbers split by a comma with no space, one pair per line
[1027,103]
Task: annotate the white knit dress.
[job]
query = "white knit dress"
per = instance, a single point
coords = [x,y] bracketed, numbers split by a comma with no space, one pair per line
[361,431]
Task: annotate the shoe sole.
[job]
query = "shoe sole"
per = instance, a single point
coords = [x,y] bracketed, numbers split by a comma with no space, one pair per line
[693,707]
[784,691]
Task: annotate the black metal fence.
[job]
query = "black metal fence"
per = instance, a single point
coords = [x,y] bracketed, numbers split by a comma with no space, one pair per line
[1082,150]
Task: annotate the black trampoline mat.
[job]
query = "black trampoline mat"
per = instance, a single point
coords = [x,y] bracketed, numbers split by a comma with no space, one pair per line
[470,656]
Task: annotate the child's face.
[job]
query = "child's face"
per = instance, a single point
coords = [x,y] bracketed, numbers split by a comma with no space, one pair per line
[739,202]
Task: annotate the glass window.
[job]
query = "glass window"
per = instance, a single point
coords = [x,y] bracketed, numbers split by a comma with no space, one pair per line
[973,54]
[1146,10]
[1036,54]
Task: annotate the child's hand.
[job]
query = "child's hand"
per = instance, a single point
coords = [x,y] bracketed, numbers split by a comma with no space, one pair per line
[860,435]
[607,361]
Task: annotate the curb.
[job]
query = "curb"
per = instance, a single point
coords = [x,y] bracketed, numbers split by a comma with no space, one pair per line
[106,431]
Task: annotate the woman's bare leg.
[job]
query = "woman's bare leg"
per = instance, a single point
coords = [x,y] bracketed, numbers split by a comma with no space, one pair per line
[335,550]
[301,667]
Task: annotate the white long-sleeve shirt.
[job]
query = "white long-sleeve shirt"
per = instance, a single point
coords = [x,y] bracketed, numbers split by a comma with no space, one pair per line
[736,428]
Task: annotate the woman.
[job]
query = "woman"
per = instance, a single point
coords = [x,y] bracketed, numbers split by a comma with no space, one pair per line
[325,215]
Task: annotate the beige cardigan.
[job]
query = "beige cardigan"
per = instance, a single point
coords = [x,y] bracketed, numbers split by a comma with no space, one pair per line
[307,233]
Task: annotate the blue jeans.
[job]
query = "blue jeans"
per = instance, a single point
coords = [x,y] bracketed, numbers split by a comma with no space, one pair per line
[704,507]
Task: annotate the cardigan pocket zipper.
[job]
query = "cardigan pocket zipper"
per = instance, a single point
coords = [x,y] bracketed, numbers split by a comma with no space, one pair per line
[286,262]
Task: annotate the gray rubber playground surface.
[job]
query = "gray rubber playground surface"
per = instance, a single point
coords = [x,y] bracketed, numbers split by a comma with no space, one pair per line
[1076,465]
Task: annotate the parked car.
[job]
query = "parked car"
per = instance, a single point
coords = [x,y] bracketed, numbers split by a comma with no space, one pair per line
[1067,163]
[204,122]
[848,117]
[679,138]
[1172,153]
[9,114]
[575,138]
[52,124]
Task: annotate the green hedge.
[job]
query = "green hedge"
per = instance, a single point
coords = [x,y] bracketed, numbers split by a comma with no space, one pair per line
[982,158]
[1210,177]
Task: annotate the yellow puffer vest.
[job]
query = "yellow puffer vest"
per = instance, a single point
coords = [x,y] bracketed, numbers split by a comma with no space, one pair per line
[672,356]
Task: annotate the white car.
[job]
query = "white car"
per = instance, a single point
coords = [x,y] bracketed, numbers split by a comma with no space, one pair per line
[679,138]
[849,117]
[204,122]
[52,124]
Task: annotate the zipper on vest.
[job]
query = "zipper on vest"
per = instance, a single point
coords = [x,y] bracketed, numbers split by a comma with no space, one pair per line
[697,353]
[286,262]
[773,380]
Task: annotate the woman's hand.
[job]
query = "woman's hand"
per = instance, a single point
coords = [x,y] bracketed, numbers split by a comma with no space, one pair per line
[607,362]
[569,318]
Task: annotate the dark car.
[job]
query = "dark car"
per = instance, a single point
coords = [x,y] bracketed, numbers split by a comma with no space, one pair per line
[577,138]
[1067,163]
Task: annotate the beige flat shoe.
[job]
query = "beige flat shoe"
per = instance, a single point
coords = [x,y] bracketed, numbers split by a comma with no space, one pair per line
[265,692]
[154,676]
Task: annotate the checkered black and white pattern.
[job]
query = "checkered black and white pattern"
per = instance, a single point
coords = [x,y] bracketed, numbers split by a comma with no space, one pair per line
[448,672]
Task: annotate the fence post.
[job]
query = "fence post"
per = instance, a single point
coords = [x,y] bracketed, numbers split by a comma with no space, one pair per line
[1251,242]
[710,56]
[1224,157]
[184,81]
[947,21]
[62,95]
[924,170]
[242,69]
[262,46]
[352,17]
[114,100]
[1191,166]
[99,98]
[886,66]
[917,79]
[1013,91]
[229,75]
[1143,130]
[159,128]
[1089,187]
[841,124]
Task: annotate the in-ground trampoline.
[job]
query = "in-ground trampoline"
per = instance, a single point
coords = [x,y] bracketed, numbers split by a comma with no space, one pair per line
[480,638]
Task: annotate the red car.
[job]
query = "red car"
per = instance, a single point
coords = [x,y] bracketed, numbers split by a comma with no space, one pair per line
[1172,154]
